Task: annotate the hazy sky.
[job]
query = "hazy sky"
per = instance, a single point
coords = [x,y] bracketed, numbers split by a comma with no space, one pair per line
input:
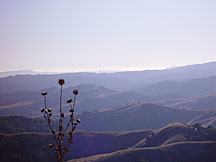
[86,35]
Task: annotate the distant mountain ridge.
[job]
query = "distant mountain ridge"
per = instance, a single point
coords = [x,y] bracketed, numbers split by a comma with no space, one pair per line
[123,81]
[190,88]
[17,72]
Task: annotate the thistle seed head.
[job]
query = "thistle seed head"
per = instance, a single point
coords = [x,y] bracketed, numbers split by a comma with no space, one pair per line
[56,148]
[53,131]
[75,92]
[50,145]
[69,100]
[61,82]
[78,120]
[66,149]
[62,115]
[44,93]
[70,133]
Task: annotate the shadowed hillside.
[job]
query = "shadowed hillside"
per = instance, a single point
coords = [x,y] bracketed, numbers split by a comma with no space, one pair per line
[170,134]
[174,142]
[168,142]
[34,146]
[177,132]
[197,151]
[134,116]
[18,124]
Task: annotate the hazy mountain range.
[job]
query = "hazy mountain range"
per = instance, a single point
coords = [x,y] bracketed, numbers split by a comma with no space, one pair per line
[17,72]
[129,104]
[102,105]
[190,88]
[123,81]
[91,97]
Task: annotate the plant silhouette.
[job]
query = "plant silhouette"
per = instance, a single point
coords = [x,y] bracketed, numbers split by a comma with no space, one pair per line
[61,147]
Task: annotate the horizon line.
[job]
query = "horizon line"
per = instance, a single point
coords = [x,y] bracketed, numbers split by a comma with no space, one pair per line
[102,70]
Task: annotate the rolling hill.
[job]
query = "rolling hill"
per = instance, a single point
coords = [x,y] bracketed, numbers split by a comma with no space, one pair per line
[20,124]
[33,146]
[174,142]
[133,117]
[91,97]
[193,103]
[206,119]
[197,151]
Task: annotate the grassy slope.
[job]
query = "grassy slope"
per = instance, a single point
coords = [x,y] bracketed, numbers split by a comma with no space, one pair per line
[33,146]
[196,151]
[18,124]
[25,147]
[174,142]
[168,142]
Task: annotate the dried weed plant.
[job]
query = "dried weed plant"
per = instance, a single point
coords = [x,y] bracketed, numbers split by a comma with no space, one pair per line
[61,148]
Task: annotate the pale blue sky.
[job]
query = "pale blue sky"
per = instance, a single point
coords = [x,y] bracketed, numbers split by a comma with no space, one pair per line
[86,35]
